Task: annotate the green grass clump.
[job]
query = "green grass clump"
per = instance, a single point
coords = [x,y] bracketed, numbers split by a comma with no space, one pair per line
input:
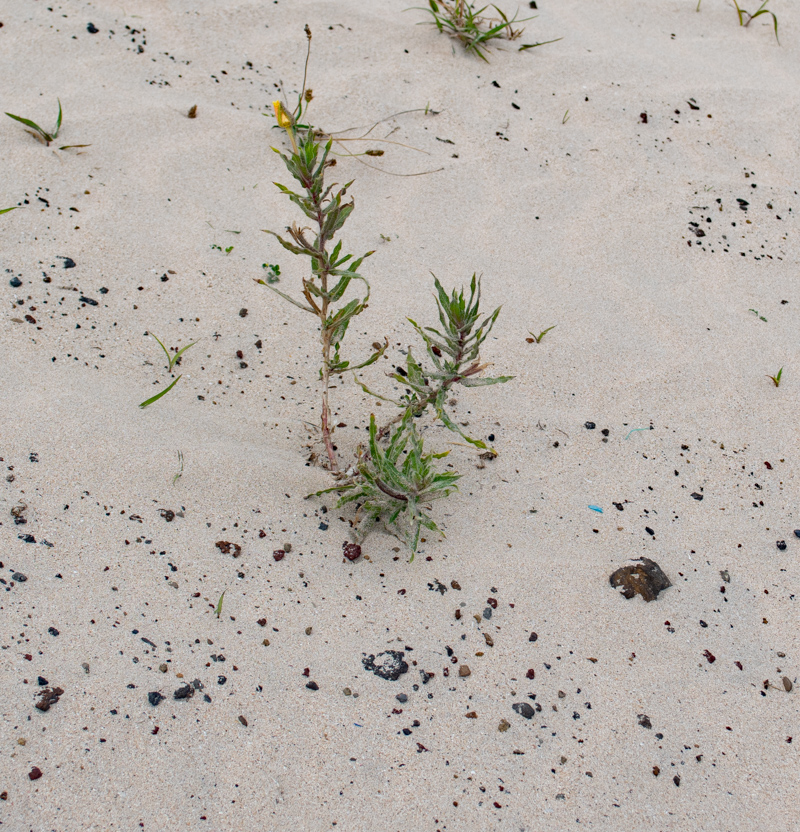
[776,379]
[463,22]
[745,18]
[42,135]
[173,360]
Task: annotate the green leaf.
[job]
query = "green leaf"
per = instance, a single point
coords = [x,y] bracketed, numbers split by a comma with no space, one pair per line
[6,210]
[58,121]
[179,353]
[28,123]
[286,297]
[162,393]
[484,382]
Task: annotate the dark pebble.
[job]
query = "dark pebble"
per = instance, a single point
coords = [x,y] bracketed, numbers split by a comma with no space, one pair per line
[183,692]
[589,425]
[15,282]
[487,613]
[221,680]
[531,674]
[781,544]
[19,577]
[69,263]
[523,709]
[89,301]
[92,29]
[605,431]
[312,686]
[279,554]
[402,697]
[243,721]
[35,773]
[206,697]
[154,698]
[41,681]
[323,527]
[797,532]
[644,721]
[242,313]
[52,631]
[533,637]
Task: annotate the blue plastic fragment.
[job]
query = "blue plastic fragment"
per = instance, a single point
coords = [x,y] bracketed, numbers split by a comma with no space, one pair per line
[597,509]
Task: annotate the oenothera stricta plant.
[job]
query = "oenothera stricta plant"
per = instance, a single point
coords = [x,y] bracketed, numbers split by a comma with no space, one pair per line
[393,480]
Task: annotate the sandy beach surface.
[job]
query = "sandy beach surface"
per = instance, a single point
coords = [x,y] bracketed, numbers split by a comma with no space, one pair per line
[634,184]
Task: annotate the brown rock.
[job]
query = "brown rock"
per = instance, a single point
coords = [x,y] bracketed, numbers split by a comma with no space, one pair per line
[464,670]
[643,578]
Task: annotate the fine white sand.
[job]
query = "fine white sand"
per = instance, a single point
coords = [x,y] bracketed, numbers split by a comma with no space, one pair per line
[577,213]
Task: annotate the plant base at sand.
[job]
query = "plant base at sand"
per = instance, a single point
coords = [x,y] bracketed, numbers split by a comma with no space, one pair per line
[42,135]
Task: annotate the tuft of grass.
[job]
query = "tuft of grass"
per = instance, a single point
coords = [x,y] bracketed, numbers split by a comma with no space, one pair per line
[42,135]
[776,379]
[745,18]
[537,339]
[463,22]
[756,313]
[173,360]
[565,119]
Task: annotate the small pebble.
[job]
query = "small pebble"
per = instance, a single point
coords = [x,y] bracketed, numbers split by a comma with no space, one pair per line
[279,554]
[589,425]
[19,577]
[347,692]
[183,692]
[531,674]
[503,726]
[163,668]
[243,721]
[457,585]
[781,544]
[309,630]
[402,697]
[787,684]
[797,532]
[35,773]
[487,613]
[464,670]
[312,686]
[85,666]
[533,637]
[40,680]
[523,709]
[488,639]
[154,698]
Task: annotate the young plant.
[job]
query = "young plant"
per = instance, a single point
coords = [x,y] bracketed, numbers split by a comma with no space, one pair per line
[745,18]
[218,608]
[173,360]
[776,379]
[462,21]
[537,339]
[331,271]
[42,135]
[394,484]
[6,210]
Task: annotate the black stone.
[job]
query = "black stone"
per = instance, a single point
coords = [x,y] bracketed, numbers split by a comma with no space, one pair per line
[40,680]
[15,282]
[183,692]
[644,721]
[401,697]
[312,686]
[154,698]
[644,578]
[52,631]
[589,425]
[92,29]
[388,665]
[19,577]
[781,544]
[524,709]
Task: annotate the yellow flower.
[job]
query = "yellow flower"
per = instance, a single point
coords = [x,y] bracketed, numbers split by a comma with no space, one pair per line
[281,116]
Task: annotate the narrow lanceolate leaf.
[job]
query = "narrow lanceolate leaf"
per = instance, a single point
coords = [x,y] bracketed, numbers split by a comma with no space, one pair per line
[484,382]
[287,297]
[166,351]
[6,210]
[162,393]
[33,125]
[179,353]
[58,121]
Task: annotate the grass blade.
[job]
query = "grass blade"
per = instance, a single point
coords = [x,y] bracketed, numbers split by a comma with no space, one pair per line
[32,124]
[162,393]
[166,351]
[58,120]
[179,353]
[6,210]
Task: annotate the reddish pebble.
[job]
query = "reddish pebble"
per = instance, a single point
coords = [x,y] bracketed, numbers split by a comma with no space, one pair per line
[262,622]
[531,674]
[497,805]
[262,533]
[35,773]
[492,602]
[155,730]
[739,665]
[769,467]
[279,554]
[710,656]
[307,671]
[352,551]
